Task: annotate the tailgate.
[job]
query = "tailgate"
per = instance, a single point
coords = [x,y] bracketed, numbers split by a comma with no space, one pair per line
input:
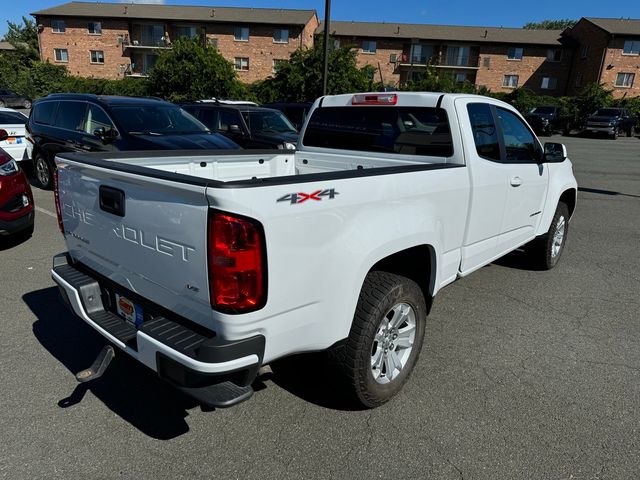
[146,234]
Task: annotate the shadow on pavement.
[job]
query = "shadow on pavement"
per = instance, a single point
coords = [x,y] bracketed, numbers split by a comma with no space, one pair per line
[518,259]
[606,192]
[10,241]
[127,388]
[313,379]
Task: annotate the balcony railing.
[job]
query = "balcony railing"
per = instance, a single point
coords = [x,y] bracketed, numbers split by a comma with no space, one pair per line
[469,61]
[135,71]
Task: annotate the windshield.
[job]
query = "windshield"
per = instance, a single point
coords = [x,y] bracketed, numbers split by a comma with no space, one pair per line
[608,112]
[268,122]
[156,120]
[544,110]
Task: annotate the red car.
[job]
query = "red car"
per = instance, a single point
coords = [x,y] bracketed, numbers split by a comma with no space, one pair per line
[16,199]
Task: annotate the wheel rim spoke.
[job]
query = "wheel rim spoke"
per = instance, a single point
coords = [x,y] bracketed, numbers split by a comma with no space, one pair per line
[406,337]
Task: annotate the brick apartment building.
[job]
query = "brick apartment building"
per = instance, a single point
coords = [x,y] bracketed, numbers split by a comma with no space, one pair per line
[499,58]
[113,40]
[607,52]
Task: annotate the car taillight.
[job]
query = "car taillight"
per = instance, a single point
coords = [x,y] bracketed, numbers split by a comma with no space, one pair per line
[374,99]
[236,257]
[56,196]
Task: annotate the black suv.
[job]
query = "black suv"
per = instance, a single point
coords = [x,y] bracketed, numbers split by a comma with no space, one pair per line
[11,99]
[295,112]
[546,119]
[91,123]
[249,126]
[611,121]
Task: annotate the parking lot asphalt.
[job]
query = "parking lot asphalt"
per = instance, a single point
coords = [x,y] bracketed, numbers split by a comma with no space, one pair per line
[524,374]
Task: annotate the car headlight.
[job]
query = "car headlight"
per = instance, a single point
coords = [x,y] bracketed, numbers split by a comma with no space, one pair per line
[287,146]
[9,168]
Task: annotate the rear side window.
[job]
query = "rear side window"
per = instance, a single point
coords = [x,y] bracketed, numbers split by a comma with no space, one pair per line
[485,133]
[43,112]
[7,118]
[402,130]
[71,115]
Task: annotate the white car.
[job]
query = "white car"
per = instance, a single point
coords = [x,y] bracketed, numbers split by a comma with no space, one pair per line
[16,144]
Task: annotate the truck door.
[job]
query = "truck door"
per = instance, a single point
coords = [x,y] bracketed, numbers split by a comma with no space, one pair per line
[527,181]
[489,183]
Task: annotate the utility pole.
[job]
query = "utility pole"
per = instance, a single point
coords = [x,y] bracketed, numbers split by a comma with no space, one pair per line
[327,21]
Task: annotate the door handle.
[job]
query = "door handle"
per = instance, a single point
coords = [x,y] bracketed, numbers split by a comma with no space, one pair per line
[516,182]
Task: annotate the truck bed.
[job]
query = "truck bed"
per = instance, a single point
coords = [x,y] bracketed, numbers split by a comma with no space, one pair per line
[222,166]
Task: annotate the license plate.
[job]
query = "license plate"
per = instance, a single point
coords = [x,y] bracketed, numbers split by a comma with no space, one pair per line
[128,310]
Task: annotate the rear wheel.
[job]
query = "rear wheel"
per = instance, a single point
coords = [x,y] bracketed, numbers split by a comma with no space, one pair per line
[385,339]
[43,170]
[630,132]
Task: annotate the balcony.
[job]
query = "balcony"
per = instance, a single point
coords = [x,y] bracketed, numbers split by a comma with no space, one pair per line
[416,55]
[458,61]
[145,44]
[135,71]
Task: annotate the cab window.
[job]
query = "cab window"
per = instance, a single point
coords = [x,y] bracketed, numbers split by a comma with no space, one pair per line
[520,144]
[485,133]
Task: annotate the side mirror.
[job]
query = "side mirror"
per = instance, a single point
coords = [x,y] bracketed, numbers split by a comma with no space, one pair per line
[236,129]
[3,135]
[106,134]
[554,152]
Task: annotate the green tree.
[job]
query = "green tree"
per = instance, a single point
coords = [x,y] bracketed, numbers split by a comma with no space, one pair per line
[300,79]
[24,37]
[550,24]
[192,70]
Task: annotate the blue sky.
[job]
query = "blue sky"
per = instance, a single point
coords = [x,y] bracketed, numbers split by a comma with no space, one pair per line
[459,12]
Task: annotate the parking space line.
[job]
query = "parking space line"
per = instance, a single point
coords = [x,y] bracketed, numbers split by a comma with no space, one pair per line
[46,212]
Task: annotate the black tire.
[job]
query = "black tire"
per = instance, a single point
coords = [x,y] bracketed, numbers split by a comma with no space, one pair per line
[630,132]
[380,293]
[43,172]
[614,135]
[544,251]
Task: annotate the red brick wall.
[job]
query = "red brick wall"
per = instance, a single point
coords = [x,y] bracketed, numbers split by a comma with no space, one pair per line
[615,62]
[586,33]
[531,69]
[78,42]
[261,50]
[384,49]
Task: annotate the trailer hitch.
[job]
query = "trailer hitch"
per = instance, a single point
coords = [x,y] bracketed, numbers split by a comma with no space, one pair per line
[98,366]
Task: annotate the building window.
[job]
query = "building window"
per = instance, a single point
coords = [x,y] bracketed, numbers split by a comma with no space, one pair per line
[61,55]
[625,80]
[241,34]
[549,83]
[368,46]
[514,53]
[94,28]
[584,51]
[186,32]
[554,55]
[97,56]
[276,64]
[510,81]
[281,35]
[58,26]
[631,47]
[459,77]
[579,80]
[241,63]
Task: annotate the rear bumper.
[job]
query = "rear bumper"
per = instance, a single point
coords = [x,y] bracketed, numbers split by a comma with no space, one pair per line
[9,227]
[195,362]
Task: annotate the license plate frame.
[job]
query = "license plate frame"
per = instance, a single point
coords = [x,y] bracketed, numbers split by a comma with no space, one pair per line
[129,311]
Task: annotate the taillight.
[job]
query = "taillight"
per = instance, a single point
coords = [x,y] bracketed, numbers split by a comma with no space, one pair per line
[236,256]
[374,99]
[56,196]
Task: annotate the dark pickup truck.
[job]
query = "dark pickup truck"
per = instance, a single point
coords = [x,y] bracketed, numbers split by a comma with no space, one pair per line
[611,121]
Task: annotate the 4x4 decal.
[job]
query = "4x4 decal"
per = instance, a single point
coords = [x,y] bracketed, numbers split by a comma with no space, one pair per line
[300,197]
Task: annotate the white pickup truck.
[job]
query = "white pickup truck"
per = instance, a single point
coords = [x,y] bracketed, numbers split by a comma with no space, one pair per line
[204,266]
